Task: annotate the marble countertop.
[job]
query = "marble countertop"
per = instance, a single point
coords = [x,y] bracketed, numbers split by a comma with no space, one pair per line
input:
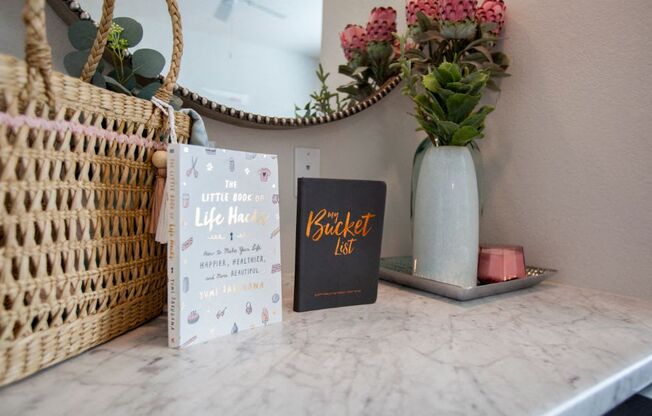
[548,350]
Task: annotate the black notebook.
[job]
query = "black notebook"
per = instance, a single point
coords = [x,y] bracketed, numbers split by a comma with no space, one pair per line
[339,233]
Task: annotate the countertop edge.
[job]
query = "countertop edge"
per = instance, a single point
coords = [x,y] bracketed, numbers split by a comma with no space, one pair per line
[609,393]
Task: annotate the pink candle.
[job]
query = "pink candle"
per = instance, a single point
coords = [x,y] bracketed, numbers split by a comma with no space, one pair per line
[499,263]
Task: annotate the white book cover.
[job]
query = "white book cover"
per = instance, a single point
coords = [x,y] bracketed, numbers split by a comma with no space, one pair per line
[224,255]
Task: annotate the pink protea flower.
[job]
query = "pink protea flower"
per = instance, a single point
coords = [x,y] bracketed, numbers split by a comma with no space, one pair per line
[457,10]
[353,38]
[382,23]
[428,7]
[492,11]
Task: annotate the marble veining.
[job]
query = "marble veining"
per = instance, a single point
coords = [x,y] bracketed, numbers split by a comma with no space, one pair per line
[547,350]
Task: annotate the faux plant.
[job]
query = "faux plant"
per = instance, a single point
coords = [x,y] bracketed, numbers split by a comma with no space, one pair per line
[321,102]
[446,62]
[369,53]
[445,103]
[458,31]
[134,74]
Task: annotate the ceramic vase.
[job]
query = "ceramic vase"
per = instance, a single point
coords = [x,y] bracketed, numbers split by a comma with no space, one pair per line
[416,168]
[446,217]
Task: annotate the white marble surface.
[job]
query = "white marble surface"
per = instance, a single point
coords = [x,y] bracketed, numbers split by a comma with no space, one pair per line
[548,350]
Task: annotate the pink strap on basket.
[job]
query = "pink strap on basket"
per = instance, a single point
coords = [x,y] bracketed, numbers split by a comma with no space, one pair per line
[63,126]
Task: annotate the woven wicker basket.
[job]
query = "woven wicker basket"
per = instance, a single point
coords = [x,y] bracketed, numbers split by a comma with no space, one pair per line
[77,264]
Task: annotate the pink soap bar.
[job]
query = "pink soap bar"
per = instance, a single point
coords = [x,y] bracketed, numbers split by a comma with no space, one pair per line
[501,263]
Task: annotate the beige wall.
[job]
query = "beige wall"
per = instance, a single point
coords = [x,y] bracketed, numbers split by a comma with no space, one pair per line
[568,151]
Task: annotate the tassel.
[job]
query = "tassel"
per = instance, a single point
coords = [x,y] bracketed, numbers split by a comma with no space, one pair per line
[159,159]
[159,218]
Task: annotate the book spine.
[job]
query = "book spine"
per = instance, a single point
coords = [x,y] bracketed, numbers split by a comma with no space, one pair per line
[174,330]
[297,253]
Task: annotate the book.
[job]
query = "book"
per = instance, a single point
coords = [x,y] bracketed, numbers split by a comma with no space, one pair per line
[338,240]
[224,267]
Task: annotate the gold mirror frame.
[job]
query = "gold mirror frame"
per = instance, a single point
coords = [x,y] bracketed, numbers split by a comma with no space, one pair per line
[71,11]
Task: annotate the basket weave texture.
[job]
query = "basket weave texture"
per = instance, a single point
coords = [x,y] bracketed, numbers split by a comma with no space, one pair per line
[77,264]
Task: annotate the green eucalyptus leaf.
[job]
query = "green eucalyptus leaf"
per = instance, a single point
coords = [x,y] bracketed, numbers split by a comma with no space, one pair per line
[82,34]
[129,81]
[148,91]
[147,63]
[176,102]
[132,31]
[74,62]
[113,85]
[98,80]
[464,135]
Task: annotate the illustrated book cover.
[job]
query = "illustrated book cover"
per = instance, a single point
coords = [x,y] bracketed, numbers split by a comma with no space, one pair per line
[224,258]
[338,241]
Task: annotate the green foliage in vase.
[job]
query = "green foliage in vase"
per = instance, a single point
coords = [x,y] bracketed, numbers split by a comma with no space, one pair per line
[445,101]
[119,70]
[447,60]
[323,101]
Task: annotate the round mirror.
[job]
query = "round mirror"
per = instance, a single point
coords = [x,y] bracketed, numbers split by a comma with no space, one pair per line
[267,63]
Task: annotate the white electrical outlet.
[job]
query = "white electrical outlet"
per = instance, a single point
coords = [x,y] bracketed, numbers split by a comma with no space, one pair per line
[306,165]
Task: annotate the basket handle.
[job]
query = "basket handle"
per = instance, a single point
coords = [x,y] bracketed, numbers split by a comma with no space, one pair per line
[97,50]
[38,54]
[165,92]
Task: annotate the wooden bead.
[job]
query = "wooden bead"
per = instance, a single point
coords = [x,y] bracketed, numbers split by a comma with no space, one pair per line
[160,159]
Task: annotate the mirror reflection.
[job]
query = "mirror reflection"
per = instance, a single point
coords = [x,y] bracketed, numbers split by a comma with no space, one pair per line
[254,55]
[282,58]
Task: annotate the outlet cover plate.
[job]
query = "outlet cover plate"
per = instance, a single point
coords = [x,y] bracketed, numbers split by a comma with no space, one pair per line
[306,164]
